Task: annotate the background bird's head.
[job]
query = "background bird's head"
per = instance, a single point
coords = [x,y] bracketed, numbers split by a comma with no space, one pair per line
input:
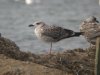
[37,23]
[92,19]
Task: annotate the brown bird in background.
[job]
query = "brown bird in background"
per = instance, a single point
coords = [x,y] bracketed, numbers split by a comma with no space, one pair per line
[91,29]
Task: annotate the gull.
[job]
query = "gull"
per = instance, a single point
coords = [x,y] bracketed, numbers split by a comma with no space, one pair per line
[52,33]
[91,29]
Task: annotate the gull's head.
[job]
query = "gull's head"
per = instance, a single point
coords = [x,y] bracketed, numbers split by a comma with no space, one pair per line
[92,19]
[37,23]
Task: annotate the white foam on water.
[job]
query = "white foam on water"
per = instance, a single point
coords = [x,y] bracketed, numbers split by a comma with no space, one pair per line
[28,1]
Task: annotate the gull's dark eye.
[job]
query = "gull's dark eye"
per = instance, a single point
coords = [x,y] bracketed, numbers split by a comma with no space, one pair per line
[95,19]
[38,23]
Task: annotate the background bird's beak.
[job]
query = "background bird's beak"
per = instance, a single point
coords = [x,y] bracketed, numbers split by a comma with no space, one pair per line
[31,25]
[97,21]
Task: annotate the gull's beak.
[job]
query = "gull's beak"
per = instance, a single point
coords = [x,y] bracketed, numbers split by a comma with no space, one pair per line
[31,25]
[97,21]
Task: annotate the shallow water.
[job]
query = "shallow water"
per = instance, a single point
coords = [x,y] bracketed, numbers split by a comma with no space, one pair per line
[15,16]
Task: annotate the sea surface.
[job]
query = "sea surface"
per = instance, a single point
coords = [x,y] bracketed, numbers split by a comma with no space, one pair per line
[16,15]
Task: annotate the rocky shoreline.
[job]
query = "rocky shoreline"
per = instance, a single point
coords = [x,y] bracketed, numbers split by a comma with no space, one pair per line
[13,61]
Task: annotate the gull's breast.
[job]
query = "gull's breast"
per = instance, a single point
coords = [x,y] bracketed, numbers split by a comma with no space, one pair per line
[40,35]
[38,32]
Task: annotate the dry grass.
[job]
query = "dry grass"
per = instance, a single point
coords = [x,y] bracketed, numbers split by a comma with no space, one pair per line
[78,61]
[70,62]
[10,49]
[10,66]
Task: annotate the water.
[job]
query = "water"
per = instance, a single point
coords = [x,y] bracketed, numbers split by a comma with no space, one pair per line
[15,16]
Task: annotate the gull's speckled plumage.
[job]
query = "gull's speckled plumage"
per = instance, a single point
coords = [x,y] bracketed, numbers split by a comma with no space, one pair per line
[52,33]
[90,27]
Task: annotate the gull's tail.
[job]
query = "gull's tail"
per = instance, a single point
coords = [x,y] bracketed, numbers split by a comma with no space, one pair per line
[71,33]
[77,33]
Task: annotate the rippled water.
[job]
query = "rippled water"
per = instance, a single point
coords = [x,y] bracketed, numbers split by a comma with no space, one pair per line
[15,16]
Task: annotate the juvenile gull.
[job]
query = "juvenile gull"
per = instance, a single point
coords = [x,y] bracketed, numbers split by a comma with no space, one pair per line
[52,33]
[91,29]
